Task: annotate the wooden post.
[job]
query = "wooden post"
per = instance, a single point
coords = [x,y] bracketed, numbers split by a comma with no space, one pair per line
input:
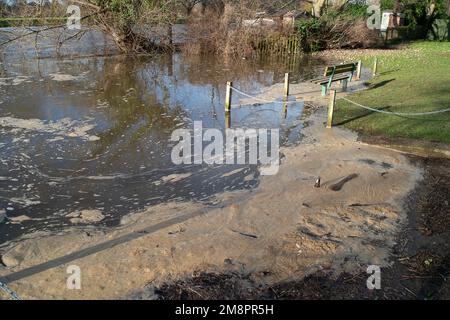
[331,108]
[358,70]
[375,66]
[227,119]
[286,85]
[284,113]
[228,96]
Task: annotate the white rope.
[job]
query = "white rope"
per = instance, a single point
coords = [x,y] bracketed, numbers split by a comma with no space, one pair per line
[9,291]
[396,113]
[261,99]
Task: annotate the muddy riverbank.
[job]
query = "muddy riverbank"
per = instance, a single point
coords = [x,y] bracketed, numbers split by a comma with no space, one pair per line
[285,229]
[419,264]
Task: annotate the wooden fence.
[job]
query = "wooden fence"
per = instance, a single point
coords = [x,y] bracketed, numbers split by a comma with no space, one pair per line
[279,45]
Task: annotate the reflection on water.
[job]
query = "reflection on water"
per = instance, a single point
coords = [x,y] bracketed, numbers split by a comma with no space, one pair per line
[94,133]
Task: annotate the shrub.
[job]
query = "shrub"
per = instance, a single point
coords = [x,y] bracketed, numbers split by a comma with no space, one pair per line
[341,28]
[224,34]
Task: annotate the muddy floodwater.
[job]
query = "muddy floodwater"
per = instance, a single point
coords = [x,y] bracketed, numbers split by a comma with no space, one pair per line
[94,133]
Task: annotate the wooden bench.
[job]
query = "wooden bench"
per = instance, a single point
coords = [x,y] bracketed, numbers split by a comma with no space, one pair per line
[342,72]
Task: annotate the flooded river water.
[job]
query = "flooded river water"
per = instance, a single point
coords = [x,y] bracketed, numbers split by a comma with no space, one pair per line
[94,133]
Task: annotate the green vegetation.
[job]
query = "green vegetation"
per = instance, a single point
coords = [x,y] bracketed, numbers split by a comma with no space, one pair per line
[337,27]
[353,10]
[413,79]
[345,25]
[419,15]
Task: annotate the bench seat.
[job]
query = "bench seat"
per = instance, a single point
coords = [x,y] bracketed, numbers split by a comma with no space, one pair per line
[322,80]
[343,73]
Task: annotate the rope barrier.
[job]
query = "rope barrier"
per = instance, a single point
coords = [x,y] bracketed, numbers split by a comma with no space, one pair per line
[396,113]
[9,291]
[261,99]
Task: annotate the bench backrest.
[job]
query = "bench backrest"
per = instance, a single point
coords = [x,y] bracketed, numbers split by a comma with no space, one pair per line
[340,68]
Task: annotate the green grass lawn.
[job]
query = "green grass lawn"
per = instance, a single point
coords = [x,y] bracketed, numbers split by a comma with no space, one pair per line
[415,78]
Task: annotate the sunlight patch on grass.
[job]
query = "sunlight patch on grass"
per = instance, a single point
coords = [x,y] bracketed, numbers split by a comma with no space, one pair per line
[415,78]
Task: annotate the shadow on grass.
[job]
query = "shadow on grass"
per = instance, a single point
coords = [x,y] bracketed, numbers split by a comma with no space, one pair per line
[388,72]
[368,113]
[380,84]
[413,118]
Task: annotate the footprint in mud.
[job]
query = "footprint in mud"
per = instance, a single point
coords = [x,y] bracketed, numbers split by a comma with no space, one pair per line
[338,186]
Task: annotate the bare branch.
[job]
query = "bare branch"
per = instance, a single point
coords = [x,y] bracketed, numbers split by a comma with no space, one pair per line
[37,31]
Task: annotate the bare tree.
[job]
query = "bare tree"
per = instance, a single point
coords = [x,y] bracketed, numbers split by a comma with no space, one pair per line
[124,20]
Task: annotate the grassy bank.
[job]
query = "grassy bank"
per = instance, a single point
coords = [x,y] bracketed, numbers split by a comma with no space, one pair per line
[414,78]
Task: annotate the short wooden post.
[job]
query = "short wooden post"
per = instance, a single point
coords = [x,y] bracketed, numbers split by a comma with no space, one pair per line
[375,66]
[331,104]
[228,96]
[358,70]
[227,119]
[284,113]
[286,86]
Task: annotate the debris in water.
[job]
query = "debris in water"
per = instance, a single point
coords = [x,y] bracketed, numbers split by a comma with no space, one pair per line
[175,177]
[63,127]
[64,77]
[2,215]
[19,219]
[338,186]
[86,216]
[317,184]
[245,234]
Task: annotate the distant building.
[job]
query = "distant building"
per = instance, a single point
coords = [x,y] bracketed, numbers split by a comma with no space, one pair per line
[390,23]
[390,20]
[284,18]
